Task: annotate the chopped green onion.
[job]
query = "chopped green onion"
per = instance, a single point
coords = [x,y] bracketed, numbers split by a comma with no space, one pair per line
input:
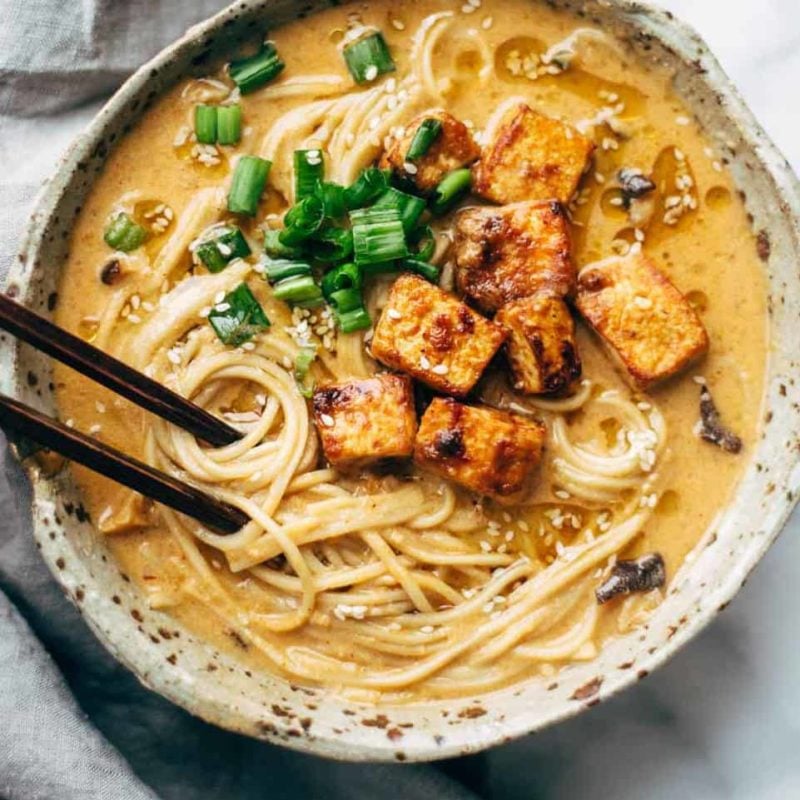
[298,289]
[281,269]
[410,207]
[205,124]
[302,221]
[452,188]
[369,185]
[356,320]
[345,276]
[332,244]
[252,73]
[368,57]
[423,234]
[378,235]
[428,271]
[333,199]
[249,180]
[227,244]
[229,124]
[302,366]
[239,317]
[427,133]
[122,233]
[309,169]
[346,300]
[314,302]
[274,248]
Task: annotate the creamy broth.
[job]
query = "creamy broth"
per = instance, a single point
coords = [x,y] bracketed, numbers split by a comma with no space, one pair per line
[708,252]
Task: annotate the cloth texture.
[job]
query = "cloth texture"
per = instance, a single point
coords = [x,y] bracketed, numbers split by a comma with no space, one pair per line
[720,721]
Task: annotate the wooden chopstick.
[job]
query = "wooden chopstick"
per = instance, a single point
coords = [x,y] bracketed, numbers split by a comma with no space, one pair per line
[112,373]
[112,463]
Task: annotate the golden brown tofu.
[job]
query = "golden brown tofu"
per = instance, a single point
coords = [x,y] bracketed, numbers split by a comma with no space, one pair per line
[365,420]
[434,337]
[453,149]
[504,254]
[531,157]
[541,347]
[488,451]
[648,325]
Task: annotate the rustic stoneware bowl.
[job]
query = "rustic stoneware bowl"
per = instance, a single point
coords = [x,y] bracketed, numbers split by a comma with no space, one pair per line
[183,668]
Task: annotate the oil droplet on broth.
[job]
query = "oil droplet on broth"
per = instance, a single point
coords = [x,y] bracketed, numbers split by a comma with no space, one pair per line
[718,197]
[698,301]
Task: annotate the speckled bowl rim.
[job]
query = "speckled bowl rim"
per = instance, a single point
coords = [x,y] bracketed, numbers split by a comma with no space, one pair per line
[482,729]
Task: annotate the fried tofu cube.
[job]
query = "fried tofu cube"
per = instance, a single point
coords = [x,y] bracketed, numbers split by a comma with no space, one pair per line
[434,337]
[490,452]
[541,347]
[453,149]
[365,420]
[505,254]
[531,157]
[648,325]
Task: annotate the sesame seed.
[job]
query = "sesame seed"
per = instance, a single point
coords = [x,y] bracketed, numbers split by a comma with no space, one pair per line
[134,318]
[101,407]
[440,369]
[426,629]
[410,168]
[487,23]
[326,420]
[486,547]
[371,72]
[95,429]
[562,495]
[682,120]
[393,313]
[424,363]
[398,25]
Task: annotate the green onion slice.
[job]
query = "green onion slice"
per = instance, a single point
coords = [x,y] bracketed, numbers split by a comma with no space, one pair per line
[332,244]
[249,180]
[302,221]
[298,289]
[332,196]
[368,57]
[122,233]
[345,276]
[378,235]
[368,186]
[410,207]
[302,366]
[281,268]
[356,320]
[205,124]
[346,300]
[428,271]
[229,124]
[239,317]
[226,244]
[452,188]
[424,239]
[309,169]
[427,133]
[252,73]
[274,248]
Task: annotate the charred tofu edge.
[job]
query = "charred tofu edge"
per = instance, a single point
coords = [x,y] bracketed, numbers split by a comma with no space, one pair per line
[531,344]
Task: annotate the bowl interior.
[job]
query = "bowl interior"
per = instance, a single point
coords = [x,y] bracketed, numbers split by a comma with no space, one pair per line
[214,686]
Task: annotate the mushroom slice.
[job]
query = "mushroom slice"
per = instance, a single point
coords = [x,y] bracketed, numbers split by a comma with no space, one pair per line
[639,575]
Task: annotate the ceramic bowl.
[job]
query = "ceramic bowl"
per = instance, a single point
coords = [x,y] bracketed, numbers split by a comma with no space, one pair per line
[220,690]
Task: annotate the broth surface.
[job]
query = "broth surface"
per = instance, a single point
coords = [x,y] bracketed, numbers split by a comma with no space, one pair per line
[709,254]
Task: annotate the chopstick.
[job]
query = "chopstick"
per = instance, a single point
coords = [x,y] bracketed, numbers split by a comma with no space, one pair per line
[101,458]
[113,373]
